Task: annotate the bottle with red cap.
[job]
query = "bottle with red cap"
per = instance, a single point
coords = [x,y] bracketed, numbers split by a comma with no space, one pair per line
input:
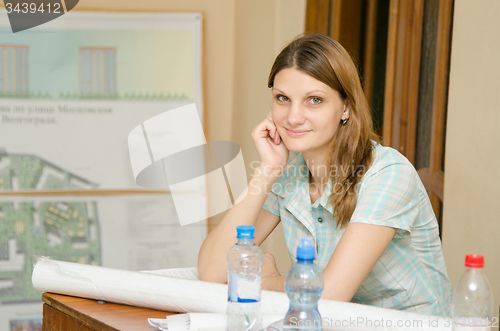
[472,303]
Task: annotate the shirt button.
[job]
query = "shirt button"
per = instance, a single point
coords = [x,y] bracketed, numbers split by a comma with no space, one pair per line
[320,219]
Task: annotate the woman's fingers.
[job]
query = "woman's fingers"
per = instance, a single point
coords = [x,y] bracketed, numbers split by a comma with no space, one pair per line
[271,129]
[267,129]
[277,137]
[264,130]
[274,132]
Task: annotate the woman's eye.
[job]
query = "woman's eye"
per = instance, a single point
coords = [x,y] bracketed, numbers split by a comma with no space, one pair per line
[316,100]
[282,98]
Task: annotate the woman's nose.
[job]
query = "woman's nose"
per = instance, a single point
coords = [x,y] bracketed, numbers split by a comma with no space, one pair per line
[296,115]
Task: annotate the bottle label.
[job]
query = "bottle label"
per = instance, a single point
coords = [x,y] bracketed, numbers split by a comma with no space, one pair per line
[242,289]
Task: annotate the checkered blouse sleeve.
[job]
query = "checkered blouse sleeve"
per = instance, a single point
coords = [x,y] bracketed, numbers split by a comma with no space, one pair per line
[389,196]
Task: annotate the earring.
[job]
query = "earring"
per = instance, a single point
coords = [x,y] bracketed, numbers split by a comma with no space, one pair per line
[344,121]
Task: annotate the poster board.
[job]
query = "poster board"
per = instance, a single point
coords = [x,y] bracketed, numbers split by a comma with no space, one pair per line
[71,91]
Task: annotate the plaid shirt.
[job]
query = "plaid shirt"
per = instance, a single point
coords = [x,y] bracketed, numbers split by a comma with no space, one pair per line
[411,274]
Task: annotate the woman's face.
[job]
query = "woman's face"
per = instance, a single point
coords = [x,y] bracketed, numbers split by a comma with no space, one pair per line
[306,112]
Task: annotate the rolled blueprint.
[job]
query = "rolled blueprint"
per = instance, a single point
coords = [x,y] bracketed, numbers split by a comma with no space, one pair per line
[195,296]
[129,287]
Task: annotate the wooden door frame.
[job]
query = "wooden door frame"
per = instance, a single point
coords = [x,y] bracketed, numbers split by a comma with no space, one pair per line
[402,87]
[433,176]
[402,75]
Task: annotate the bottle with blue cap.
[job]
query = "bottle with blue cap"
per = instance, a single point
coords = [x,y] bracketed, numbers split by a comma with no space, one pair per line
[304,284]
[244,265]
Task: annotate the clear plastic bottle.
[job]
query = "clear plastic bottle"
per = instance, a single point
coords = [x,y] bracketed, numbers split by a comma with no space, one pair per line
[472,303]
[304,284]
[244,265]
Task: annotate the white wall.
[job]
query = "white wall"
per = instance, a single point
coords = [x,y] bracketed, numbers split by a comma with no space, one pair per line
[471,223]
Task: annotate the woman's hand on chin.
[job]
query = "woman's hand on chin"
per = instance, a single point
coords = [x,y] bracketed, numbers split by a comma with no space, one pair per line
[272,151]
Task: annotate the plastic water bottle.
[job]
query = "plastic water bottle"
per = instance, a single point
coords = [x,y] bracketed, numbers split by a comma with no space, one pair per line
[244,266]
[472,303]
[304,285]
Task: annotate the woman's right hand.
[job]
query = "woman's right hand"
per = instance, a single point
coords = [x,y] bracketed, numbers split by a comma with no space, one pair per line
[248,210]
[272,151]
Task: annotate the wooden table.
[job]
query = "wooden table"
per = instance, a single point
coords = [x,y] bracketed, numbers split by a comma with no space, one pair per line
[66,313]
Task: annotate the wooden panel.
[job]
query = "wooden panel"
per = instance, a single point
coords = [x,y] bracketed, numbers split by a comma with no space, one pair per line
[426,93]
[323,17]
[336,19]
[434,183]
[403,76]
[350,28]
[441,83]
[414,78]
[390,72]
[311,9]
[54,320]
[439,104]
[412,72]
[318,16]
[96,316]
[436,205]
[369,54]
[399,75]
[380,63]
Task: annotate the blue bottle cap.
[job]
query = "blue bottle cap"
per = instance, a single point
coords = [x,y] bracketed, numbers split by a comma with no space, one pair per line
[306,250]
[245,231]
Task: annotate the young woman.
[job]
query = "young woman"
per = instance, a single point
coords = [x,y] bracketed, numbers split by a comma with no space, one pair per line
[322,173]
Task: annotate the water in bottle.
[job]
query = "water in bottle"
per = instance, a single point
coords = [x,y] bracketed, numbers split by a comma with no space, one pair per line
[304,285]
[472,303]
[244,266]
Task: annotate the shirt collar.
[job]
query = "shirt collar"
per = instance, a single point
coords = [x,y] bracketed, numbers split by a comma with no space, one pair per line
[323,200]
[293,185]
[294,175]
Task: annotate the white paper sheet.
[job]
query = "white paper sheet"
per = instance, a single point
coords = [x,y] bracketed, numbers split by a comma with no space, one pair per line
[184,295]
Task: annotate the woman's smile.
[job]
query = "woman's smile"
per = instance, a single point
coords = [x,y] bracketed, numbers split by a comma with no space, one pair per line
[296,133]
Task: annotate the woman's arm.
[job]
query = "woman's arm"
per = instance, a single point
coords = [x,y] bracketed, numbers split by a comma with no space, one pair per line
[388,204]
[212,256]
[357,252]
[273,156]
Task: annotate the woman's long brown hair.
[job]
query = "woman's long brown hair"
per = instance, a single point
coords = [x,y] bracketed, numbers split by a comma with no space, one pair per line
[323,58]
